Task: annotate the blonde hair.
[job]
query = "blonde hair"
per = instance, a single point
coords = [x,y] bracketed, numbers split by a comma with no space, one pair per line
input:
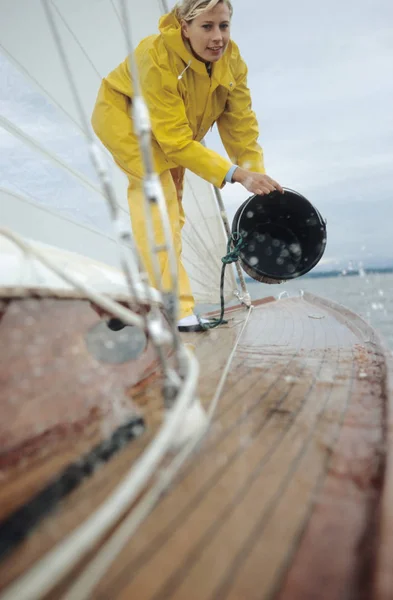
[190,9]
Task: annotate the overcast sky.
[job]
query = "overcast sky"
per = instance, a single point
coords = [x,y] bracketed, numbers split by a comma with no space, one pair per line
[321,76]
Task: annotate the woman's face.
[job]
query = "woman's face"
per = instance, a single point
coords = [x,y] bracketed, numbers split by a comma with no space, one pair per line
[209,33]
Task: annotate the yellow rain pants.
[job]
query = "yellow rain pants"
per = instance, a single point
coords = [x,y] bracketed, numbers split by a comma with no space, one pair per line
[172,184]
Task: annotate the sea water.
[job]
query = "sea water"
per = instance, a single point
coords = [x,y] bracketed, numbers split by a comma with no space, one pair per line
[370,295]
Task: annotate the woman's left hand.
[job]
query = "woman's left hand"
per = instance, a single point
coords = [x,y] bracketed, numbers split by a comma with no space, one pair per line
[256,183]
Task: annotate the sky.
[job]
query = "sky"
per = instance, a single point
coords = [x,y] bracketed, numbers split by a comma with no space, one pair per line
[321,79]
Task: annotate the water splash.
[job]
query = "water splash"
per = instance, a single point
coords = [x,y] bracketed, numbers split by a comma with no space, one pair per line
[377,306]
[283,294]
[361,271]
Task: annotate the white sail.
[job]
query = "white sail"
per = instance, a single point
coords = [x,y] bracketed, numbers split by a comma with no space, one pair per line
[92,34]
[37,222]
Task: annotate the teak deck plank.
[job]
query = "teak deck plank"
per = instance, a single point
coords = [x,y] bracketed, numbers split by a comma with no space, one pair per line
[280,499]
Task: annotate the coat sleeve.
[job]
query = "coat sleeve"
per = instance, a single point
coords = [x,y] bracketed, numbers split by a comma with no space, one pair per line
[238,126]
[171,128]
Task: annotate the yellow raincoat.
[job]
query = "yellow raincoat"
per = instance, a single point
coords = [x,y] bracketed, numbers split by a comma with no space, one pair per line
[183,102]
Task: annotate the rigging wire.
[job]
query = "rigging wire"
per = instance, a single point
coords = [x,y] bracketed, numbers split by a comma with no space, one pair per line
[96,569]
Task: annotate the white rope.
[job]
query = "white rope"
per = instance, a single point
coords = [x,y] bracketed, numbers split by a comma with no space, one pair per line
[131,273]
[164,6]
[207,259]
[225,222]
[209,276]
[77,41]
[96,569]
[104,302]
[198,204]
[201,251]
[29,76]
[54,565]
[67,69]
[229,275]
[32,201]
[130,267]
[212,277]
[116,11]
[154,195]
[225,372]
[204,253]
[32,143]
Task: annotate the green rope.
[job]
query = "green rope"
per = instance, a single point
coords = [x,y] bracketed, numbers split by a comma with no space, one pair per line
[234,254]
[230,257]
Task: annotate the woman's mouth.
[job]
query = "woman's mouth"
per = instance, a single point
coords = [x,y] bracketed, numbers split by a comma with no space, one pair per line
[215,50]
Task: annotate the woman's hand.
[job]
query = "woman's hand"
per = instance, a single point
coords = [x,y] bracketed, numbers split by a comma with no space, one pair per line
[256,183]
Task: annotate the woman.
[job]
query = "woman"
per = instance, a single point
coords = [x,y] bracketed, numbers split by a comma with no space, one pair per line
[192,76]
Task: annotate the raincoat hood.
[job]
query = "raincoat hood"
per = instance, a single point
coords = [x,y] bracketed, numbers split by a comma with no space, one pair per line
[170,29]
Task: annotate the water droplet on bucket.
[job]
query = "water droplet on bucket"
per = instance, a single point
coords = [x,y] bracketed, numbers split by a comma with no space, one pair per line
[295,249]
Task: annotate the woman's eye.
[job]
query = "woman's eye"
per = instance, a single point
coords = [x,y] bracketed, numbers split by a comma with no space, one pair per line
[208,26]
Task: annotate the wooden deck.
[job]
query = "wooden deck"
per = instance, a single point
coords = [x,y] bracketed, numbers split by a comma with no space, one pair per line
[284,498]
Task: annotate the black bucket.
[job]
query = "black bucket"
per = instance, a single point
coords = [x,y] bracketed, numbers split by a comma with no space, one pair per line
[284,236]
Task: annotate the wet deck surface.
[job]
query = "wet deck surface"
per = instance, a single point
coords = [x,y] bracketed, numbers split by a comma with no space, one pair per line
[280,501]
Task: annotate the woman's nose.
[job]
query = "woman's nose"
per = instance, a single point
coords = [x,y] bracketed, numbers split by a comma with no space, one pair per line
[217,35]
